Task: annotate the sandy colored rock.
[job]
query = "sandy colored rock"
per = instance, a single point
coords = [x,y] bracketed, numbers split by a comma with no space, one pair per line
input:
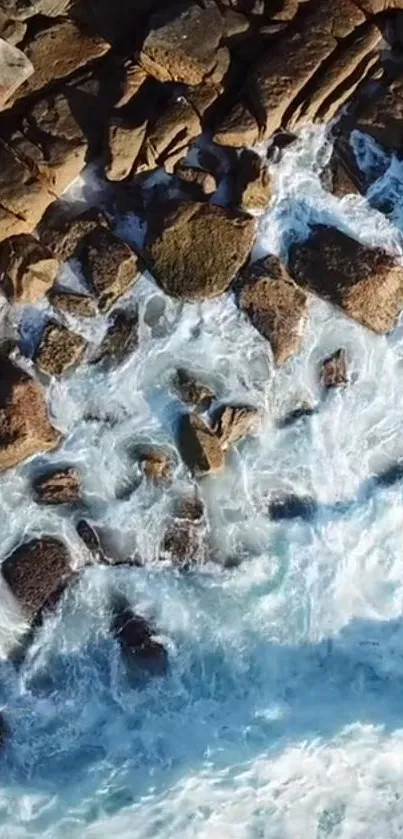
[134,79]
[182,43]
[72,303]
[230,423]
[62,486]
[28,270]
[381,116]
[59,350]
[178,256]
[12,31]
[172,133]
[253,183]
[15,69]
[275,305]
[366,283]
[125,145]
[199,447]
[121,339]
[36,571]
[239,128]
[156,465]
[25,429]
[24,9]
[196,178]
[23,197]
[334,370]
[191,391]
[64,236]
[110,267]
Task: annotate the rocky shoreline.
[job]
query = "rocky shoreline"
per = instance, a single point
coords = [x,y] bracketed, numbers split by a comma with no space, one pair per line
[167,101]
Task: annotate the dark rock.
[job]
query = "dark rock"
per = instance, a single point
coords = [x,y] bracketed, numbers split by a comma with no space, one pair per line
[110,267]
[200,449]
[156,465]
[120,340]
[91,539]
[334,370]
[342,175]
[196,179]
[28,269]
[124,143]
[65,237]
[292,507]
[72,303]
[184,542]
[191,391]
[36,571]
[15,69]
[239,128]
[58,350]
[62,486]
[4,731]
[24,9]
[141,652]
[25,429]
[172,132]
[232,422]
[253,184]
[304,410]
[188,506]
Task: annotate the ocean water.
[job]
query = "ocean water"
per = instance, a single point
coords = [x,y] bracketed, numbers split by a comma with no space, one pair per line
[281,715]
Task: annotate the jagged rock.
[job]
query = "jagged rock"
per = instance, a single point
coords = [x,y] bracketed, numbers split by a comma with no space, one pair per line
[120,340]
[253,183]
[342,175]
[24,425]
[58,350]
[141,652]
[125,143]
[156,465]
[200,449]
[28,270]
[12,31]
[366,283]
[239,128]
[24,9]
[65,237]
[232,422]
[15,69]
[334,370]
[196,178]
[134,79]
[62,486]
[110,267]
[36,571]
[72,303]
[182,43]
[178,255]
[191,391]
[23,197]
[184,541]
[172,133]
[381,116]
[91,539]
[56,52]
[277,308]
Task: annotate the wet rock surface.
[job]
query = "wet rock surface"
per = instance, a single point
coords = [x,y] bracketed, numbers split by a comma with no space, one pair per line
[334,370]
[62,486]
[120,340]
[110,266]
[231,423]
[141,652]
[195,393]
[59,350]
[199,447]
[28,269]
[36,571]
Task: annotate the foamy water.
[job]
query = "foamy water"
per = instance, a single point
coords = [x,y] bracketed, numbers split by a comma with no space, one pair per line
[281,715]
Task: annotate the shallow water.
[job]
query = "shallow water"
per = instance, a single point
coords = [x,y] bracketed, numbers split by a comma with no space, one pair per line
[281,715]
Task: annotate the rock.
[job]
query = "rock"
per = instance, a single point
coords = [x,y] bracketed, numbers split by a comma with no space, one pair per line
[65,237]
[25,429]
[232,422]
[23,197]
[184,544]
[199,447]
[12,31]
[109,265]
[72,303]
[156,465]
[15,69]
[58,350]
[334,370]
[36,571]
[342,175]
[366,283]
[118,21]
[170,136]
[191,391]
[301,412]
[381,116]
[197,179]
[253,184]
[125,143]
[239,128]
[62,486]
[141,652]
[188,506]
[55,53]
[182,43]
[4,731]
[134,80]
[91,539]
[23,9]
[28,270]
[277,308]
[178,256]
[120,340]
[292,507]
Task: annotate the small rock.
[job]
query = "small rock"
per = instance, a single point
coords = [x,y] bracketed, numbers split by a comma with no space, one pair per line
[156,465]
[253,184]
[15,69]
[110,267]
[196,178]
[60,487]
[36,571]
[90,537]
[191,391]
[72,303]
[65,237]
[125,144]
[120,340]
[25,429]
[232,422]
[188,506]
[59,350]
[4,731]
[334,370]
[141,652]
[184,542]
[28,269]
[199,447]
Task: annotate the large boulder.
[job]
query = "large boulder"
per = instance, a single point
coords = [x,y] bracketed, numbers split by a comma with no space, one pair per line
[15,69]
[200,449]
[24,425]
[277,308]
[178,256]
[231,423]
[36,572]
[58,350]
[366,283]
[27,268]
[141,652]
[60,486]
[110,266]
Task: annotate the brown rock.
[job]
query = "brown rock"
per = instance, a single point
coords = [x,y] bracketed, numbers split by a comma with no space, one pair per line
[110,267]
[125,144]
[28,270]
[172,133]
[62,486]
[191,391]
[334,370]
[184,544]
[24,9]
[182,43]
[120,340]
[23,197]
[275,305]
[72,303]
[157,465]
[65,237]
[203,181]
[381,116]
[239,128]
[134,79]
[25,429]
[15,68]
[253,187]
[36,572]
[342,175]
[232,422]
[188,506]
[198,446]
[234,23]
[179,258]
[367,283]
[141,652]
[59,350]
[12,31]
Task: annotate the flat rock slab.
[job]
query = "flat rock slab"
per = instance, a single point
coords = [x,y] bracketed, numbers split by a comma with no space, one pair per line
[25,429]
[28,269]
[15,69]
[36,571]
[59,350]
[366,283]
[179,256]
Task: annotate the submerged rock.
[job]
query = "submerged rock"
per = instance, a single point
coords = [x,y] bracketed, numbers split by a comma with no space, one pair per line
[366,283]
[91,539]
[157,465]
[59,350]
[191,391]
[62,486]
[141,652]
[28,269]
[120,340]
[200,449]
[4,731]
[334,370]
[184,543]
[197,250]
[232,422]
[24,424]
[292,507]
[36,572]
